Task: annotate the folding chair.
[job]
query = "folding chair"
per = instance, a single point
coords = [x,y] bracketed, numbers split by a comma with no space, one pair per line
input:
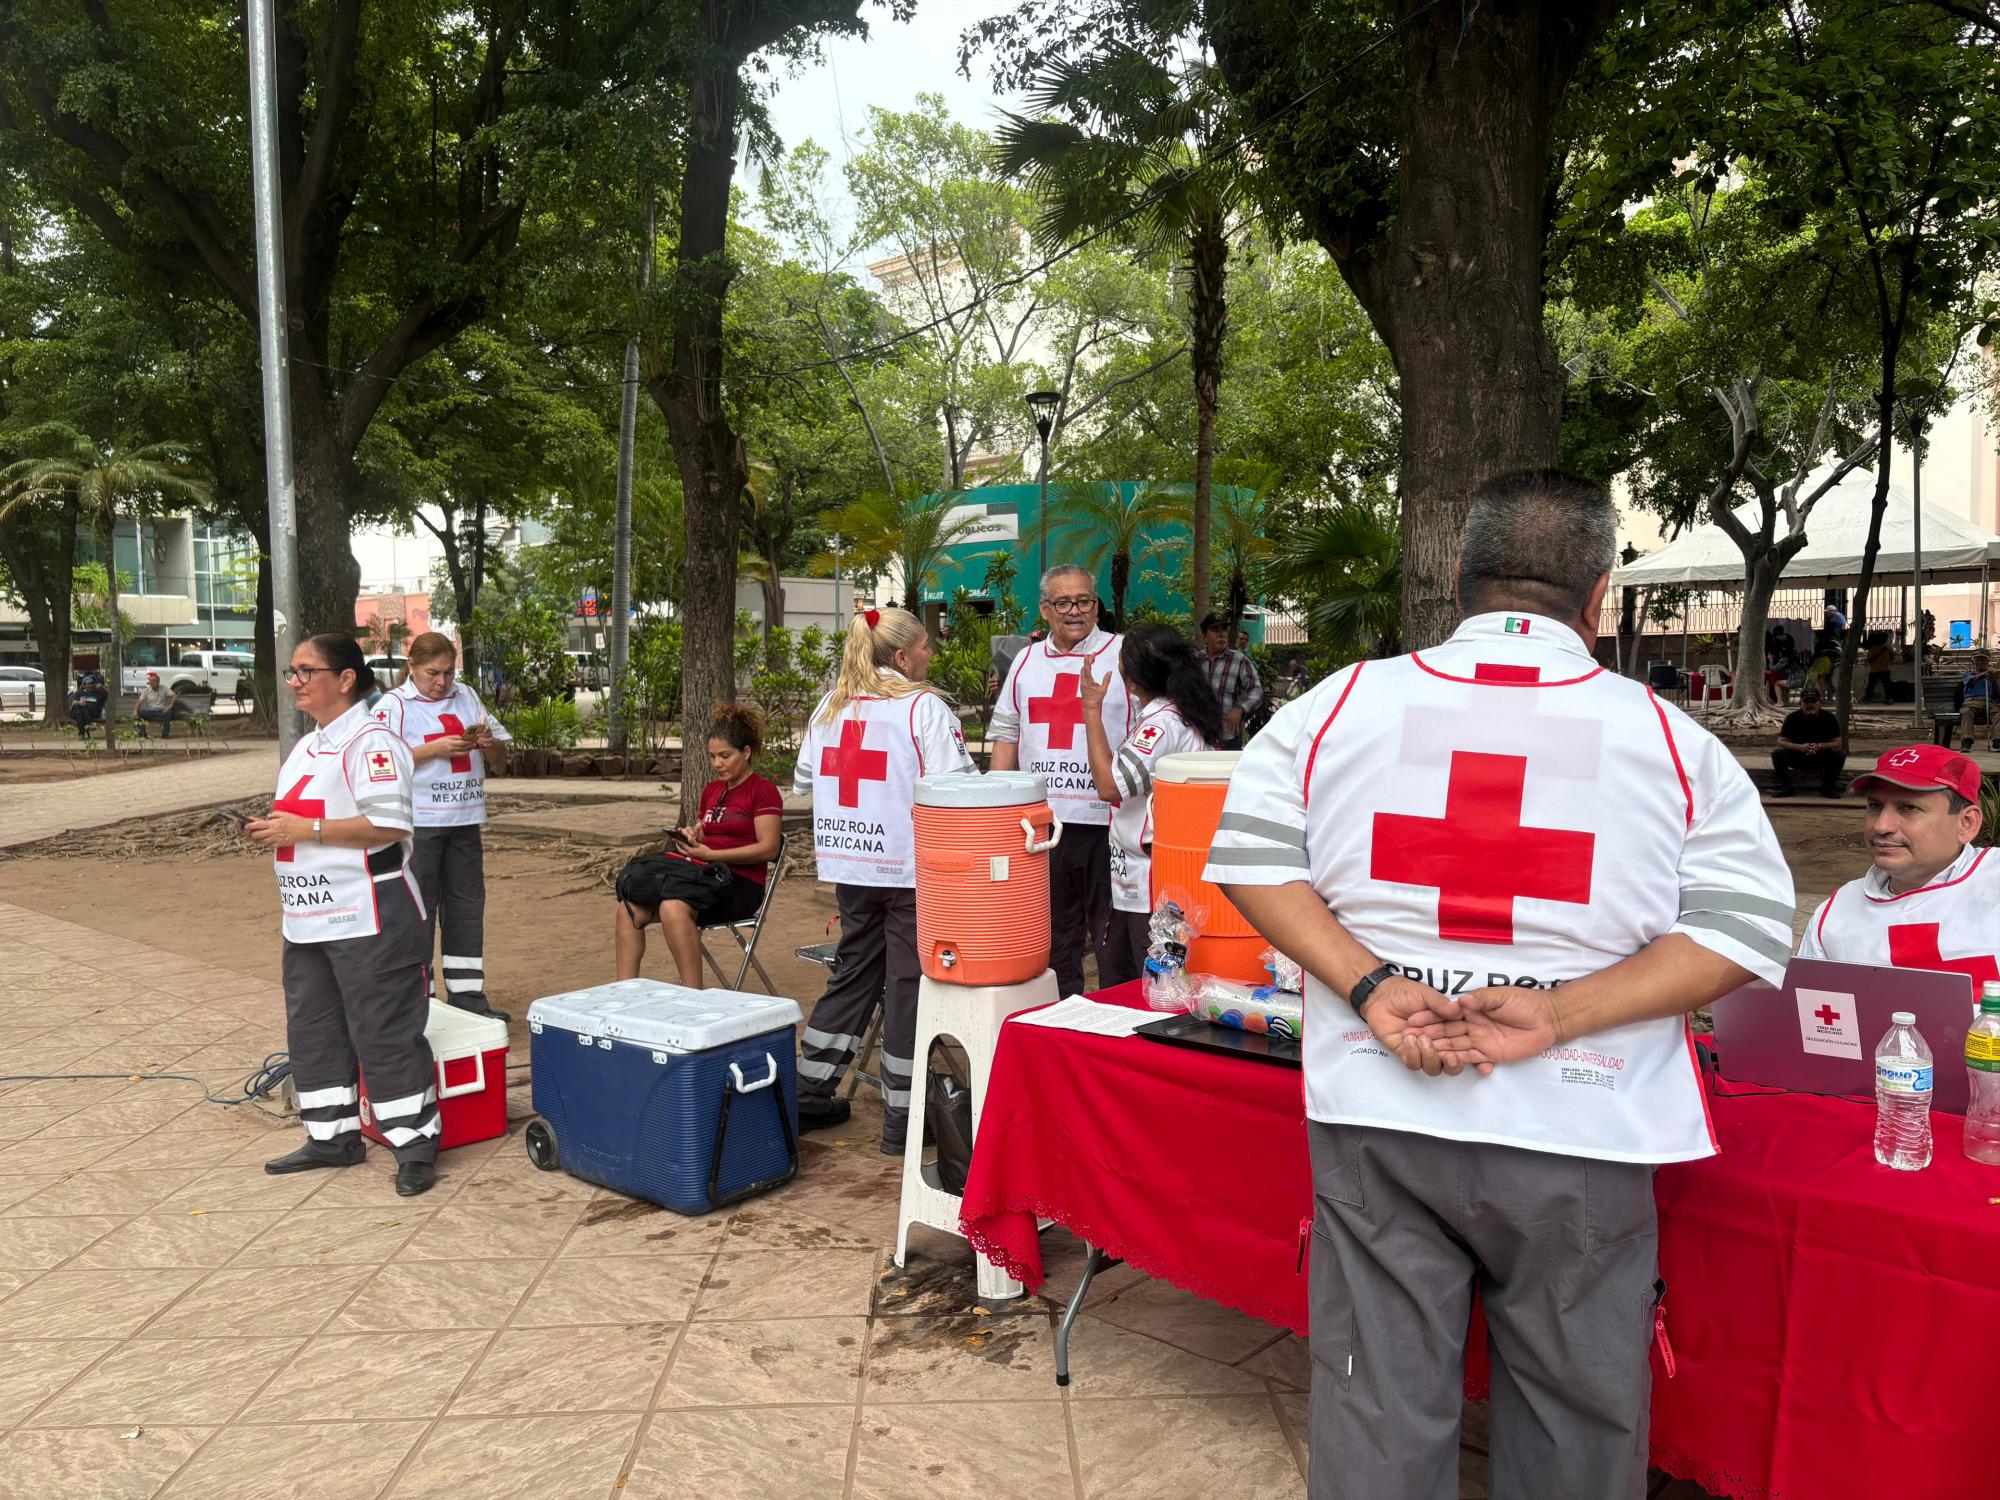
[857,1071]
[755,924]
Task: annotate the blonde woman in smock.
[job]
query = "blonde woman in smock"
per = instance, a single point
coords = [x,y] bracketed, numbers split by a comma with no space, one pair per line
[450,737]
[867,743]
[356,941]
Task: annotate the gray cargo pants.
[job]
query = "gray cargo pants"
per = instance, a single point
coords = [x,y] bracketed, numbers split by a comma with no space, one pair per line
[1563,1253]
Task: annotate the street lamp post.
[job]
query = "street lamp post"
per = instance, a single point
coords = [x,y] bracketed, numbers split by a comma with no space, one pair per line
[1043,404]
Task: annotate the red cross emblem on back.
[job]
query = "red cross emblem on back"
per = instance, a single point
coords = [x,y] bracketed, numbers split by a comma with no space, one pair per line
[1914,945]
[850,764]
[1062,711]
[298,805]
[452,724]
[1479,855]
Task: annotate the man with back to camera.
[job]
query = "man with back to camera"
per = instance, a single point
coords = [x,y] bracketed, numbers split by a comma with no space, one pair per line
[1038,726]
[1509,876]
[1809,742]
[1931,900]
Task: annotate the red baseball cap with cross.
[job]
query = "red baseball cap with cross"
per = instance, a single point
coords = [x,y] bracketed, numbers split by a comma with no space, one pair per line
[1923,768]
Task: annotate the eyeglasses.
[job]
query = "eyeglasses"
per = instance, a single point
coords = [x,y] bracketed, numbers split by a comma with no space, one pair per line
[1078,606]
[304,674]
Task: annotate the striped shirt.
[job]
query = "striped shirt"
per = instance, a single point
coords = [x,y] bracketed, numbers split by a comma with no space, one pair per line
[1234,680]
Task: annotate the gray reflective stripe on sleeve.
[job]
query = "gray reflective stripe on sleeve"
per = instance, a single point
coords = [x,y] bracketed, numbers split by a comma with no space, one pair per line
[1004,726]
[1138,777]
[1289,859]
[1263,828]
[1706,899]
[1737,930]
[386,802]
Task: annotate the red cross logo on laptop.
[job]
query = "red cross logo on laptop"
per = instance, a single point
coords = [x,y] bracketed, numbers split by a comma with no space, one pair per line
[1062,711]
[298,805]
[851,765]
[1914,945]
[1479,855]
[450,724]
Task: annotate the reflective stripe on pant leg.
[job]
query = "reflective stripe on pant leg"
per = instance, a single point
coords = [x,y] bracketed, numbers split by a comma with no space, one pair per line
[904,972]
[323,1061]
[840,1016]
[382,992]
[460,901]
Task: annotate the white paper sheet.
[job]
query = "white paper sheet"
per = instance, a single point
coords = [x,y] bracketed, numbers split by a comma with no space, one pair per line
[1079,1014]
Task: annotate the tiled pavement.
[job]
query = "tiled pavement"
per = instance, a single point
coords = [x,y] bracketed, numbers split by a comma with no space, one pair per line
[175,1322]
[34,810]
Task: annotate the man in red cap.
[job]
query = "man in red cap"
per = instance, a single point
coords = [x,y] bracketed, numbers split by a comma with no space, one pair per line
[1932,900]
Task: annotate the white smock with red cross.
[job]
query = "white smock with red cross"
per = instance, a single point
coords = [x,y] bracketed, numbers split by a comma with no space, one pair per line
[1502,811]
[354,767]
[1040,710]
[1951,925]
[448,792]
[860,769]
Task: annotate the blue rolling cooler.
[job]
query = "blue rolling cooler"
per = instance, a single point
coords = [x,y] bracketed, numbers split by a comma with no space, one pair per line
[687,1098]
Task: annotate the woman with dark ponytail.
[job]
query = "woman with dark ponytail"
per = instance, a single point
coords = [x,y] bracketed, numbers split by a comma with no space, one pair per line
[1173,709]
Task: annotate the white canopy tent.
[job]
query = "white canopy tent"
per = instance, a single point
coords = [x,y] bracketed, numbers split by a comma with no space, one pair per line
[1954,550]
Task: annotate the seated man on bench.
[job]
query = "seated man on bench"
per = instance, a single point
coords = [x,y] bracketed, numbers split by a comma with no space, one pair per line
[159,705]
[1809,741]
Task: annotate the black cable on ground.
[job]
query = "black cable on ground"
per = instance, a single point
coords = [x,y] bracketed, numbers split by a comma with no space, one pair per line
[272,1072]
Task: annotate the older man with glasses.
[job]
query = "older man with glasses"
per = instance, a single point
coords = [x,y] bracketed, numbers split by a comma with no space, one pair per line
[1038,727]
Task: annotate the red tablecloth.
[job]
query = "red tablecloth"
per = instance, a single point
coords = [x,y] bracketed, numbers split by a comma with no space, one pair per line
[1836,1326]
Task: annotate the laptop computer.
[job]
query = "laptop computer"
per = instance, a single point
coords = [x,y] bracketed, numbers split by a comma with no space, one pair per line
[1817,1033]
[1204,1035]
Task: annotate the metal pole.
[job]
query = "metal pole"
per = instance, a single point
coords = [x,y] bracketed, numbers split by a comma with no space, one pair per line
[1042,516]
[621,548]
[1916,550]
[272,352]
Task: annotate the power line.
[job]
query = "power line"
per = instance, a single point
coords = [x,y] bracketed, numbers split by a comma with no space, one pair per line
[1005,284]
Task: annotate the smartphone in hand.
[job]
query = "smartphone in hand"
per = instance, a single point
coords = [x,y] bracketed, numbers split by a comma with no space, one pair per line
[230,816]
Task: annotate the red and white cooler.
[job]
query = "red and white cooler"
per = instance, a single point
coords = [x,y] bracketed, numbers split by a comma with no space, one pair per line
[471,1054]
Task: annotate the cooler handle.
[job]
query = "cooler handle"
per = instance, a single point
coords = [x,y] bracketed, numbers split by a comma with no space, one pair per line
[1042,847]
[736,1072]
[446,1091]
[733,1086]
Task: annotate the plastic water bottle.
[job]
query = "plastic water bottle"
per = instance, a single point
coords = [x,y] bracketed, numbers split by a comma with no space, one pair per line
[1982,1068]
[1903,1096]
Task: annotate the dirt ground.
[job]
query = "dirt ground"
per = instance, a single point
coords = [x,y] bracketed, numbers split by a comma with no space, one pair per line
[23,770]
[187,885]
[190,887]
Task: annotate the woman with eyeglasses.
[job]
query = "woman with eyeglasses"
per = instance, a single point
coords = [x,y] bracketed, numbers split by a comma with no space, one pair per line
[356,942]
[450,737]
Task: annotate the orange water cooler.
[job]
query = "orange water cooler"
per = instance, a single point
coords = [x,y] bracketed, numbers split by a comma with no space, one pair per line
[983,846]
[1188,790]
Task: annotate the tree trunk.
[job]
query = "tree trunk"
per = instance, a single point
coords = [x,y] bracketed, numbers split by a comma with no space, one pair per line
[1208,317]
[707,450]
[1857,618]
[329,578]
[774,597]
[1760,581]
[47,587]
[1121,580]
[1455,284]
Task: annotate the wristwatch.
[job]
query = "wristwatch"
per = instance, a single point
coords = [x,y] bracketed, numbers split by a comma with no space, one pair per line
[316,839]
[1358,997]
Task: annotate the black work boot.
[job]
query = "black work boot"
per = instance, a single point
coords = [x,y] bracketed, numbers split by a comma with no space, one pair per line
[414,1177]
[822,1114]
[312,1156]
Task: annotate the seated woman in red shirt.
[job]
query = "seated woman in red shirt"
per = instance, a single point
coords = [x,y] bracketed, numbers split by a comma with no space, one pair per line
[740,812]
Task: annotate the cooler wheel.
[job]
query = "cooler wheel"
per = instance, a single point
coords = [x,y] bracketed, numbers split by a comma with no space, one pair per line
[540,1140]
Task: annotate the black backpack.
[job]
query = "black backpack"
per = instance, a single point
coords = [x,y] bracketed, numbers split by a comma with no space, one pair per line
[649,879]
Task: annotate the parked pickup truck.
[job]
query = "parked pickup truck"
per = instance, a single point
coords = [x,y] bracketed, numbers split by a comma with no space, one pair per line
[215,672]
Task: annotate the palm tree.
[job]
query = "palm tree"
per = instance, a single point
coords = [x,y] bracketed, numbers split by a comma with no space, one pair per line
[105,485]
[1116,523]
[1151,143]
[913,531]
[1346,566]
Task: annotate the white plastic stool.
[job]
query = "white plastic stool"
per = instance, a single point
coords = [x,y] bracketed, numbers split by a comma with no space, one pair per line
[971,1015]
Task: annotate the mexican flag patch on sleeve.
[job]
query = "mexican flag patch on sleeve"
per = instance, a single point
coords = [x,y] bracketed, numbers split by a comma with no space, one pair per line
[1516,625]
